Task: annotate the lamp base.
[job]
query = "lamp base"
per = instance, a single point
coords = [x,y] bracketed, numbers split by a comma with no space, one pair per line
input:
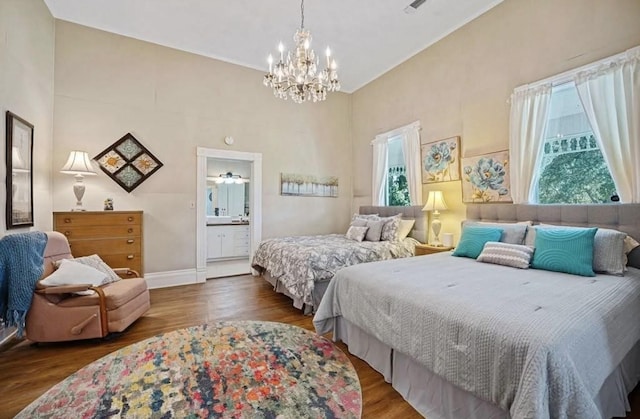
[78,191]
[436,225]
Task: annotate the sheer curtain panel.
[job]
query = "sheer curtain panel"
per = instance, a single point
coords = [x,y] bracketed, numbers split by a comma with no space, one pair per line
[412,161]
[610,95]
[527,125]
[380,168]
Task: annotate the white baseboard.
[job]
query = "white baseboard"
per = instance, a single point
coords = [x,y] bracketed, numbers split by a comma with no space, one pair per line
[171,278]
[219,269]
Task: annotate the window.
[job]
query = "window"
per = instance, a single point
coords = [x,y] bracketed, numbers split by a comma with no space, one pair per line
[397,185]
[572,169]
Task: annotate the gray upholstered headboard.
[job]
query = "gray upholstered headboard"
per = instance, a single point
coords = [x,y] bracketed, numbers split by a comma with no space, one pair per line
[622,217]
[414,212]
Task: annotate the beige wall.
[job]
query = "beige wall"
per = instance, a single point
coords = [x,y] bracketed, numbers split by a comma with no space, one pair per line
[107,85]
[27,33]
[460,85]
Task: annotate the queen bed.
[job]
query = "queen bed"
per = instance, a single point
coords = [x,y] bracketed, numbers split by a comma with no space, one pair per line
[478,340]
[301,267]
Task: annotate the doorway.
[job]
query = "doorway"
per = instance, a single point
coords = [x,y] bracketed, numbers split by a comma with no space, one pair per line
[249,217]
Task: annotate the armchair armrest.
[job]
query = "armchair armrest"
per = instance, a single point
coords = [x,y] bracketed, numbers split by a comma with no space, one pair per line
[62,289]
[126,273]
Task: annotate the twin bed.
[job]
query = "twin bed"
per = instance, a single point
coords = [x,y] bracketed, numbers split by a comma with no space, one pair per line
[301,267]
[462,339]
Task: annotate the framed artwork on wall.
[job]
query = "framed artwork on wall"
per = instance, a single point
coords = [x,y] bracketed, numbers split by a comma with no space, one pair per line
[440,160]
[128,162]
[19,179]
[308,185]
[486,178]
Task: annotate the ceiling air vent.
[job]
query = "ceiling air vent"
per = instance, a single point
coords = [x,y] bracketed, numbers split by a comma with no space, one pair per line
[414,6]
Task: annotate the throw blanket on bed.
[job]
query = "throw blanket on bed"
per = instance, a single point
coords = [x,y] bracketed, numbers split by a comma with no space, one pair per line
[21,265]
[538,344]
[298,262]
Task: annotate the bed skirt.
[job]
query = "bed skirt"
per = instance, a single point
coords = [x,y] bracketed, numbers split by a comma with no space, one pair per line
[436,398]
[318,291]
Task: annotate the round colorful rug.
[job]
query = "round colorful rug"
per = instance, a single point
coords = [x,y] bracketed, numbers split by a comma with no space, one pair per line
[240,369]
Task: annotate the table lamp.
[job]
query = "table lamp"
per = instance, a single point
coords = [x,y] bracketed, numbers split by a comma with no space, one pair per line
[79,165]
[435,204]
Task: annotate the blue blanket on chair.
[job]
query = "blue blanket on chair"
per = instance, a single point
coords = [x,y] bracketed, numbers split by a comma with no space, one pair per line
[21,265]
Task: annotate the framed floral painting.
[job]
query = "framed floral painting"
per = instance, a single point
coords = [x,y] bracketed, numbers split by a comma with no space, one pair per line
[440,160]
[486,178]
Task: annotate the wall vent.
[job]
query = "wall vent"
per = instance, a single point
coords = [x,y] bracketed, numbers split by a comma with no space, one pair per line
[414,6]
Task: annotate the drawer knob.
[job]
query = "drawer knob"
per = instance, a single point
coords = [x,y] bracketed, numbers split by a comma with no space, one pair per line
[130,230]
[67,233]
[130,219]
[129,257]
[67,220]
[130,241]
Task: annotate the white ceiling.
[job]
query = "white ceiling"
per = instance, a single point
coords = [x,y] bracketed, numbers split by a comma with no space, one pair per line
[367,37]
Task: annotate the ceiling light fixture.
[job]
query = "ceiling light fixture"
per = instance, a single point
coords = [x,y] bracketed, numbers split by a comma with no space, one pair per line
[298,76]
[228,178]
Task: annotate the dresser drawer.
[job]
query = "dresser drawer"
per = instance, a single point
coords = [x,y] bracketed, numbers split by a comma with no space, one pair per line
[97,232]
[115,236]
[131,261]
[105,246]
[96,219]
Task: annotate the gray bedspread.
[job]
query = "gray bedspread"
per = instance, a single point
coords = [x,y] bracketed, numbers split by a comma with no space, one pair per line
[538,344]
[298,262]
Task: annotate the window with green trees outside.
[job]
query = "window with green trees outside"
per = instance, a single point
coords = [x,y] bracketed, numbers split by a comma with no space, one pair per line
[572,169]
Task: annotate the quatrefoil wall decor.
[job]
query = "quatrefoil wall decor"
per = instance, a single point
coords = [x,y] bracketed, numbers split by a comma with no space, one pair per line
[128,162]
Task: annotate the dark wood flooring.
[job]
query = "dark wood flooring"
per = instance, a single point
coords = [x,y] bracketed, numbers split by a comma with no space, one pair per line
[27,371]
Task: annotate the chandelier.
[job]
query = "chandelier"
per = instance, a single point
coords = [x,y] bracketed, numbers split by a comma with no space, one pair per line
[297,76]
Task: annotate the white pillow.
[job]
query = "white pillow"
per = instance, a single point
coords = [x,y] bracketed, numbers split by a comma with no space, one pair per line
[95,262]
[356,233]
[405,228]
[74,273]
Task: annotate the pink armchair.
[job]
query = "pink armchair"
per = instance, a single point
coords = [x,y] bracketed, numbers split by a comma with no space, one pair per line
[58,315]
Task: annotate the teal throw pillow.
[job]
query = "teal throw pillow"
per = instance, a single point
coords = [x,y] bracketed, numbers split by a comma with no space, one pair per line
[473,239]
[565,250]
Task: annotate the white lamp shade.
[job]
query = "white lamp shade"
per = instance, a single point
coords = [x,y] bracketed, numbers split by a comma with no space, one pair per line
[435,202]
[78,163]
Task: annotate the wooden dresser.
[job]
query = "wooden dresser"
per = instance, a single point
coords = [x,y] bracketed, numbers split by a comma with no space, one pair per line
[115,236]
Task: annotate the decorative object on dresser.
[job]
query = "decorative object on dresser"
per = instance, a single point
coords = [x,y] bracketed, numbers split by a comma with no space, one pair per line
[486,178]
[435,204]
[128,162]
[115,236]
[427,249]
[441,160]
[79,165]
[19,179]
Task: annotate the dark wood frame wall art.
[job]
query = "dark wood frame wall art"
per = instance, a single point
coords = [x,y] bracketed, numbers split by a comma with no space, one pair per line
[19,177]
[128,162]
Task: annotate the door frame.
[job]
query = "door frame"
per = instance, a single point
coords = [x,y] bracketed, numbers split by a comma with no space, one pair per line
[255,202]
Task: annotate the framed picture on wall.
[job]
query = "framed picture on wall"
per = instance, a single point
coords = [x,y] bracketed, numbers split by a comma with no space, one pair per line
[486,178]
[440,160]
[19,155]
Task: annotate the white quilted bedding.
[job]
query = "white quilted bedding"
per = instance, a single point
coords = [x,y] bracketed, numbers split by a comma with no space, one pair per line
[538,344]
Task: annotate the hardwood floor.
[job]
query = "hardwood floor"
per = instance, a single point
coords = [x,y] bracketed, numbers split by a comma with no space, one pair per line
[28,371]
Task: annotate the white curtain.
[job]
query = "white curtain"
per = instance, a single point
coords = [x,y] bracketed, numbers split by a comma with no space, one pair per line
[610,95]
[379,173]
[527,125]
[412,162]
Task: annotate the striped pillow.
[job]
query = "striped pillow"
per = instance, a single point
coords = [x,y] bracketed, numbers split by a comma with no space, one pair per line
[507,254]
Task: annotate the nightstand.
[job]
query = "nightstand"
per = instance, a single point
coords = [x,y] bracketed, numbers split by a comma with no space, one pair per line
[427,249]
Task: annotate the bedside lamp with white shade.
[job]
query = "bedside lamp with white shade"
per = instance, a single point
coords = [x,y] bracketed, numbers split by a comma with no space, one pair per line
[79,165]
[435,204]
